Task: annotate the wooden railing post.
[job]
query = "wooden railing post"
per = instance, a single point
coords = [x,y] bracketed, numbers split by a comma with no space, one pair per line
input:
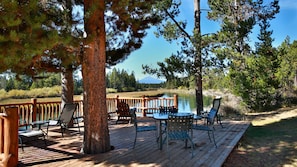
[117,100]
[143,105]
[1,136]
[34,109]
[11,135]
[175,101]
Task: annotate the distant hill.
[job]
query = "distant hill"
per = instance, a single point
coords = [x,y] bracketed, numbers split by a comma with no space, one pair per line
[150,80]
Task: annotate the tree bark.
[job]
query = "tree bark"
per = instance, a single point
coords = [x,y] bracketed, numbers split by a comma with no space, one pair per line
[198,60]
[96,133]
[67,86]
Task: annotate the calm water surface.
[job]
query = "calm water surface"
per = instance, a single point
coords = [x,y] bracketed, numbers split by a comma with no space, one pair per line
[187,104]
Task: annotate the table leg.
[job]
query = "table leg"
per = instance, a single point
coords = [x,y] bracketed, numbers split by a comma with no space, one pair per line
[160,135]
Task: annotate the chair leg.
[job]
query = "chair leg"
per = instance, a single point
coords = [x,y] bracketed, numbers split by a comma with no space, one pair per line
[62,131]
[167,147]
[219,120]
[209,136]
[77,122]
[135,140]
[44,140]
[214,139]
[192,147]
[21,142]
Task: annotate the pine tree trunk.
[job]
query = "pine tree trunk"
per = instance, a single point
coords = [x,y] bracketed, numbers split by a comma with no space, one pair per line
[67,86]
[96,133]
[198,59]
[67,89]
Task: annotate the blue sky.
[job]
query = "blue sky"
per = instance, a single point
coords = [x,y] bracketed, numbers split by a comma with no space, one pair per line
[155,49]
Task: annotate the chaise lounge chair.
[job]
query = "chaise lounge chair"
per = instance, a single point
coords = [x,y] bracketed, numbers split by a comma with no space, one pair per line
[66,116]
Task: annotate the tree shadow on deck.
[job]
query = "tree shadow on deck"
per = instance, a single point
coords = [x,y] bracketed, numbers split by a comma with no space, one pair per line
[66,151]
[57,148]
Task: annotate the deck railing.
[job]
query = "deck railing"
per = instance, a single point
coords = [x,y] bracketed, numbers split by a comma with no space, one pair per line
[34,110]
[9,137]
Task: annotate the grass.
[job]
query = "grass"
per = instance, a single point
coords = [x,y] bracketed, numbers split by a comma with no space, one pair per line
[269,141]
[78,97]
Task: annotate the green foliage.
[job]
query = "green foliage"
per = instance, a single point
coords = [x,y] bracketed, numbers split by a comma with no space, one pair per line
[286,73]
[111,90]
[252,74]
[25,34]
[45,80]
[121,81]
[257,88]
[126,25]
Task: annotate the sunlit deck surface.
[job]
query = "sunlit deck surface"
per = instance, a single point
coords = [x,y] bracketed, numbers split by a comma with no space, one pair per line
[66,151]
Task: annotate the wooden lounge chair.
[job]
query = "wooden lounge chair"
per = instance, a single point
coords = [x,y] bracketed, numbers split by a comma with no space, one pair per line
[123,112]
[66,116]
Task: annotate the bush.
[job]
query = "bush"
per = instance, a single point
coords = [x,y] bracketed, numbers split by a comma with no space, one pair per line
[17,94]
[111,90]
[3,94]
[38,92]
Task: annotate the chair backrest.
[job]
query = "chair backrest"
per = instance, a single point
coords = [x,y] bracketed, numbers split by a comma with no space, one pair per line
[123,109]
[67,112]
[216,103]
[169,109]
[178,123]
[211,116]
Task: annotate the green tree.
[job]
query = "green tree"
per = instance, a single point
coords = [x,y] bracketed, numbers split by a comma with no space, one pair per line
[253,74]
[172,69]
[287,71]
[26,32]
[115,79]
[121,80]
[9,84]
[32,33]
[193,54]
[125,22]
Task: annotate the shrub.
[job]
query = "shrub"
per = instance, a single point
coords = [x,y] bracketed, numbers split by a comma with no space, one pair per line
[3,94]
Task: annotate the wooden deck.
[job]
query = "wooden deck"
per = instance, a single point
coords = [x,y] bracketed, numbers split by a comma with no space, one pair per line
[65,151]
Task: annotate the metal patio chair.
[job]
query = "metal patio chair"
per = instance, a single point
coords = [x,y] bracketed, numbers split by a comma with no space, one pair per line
[209,126]
[141,128]
[215,105]
[29,133]
[66,116]
[179,127]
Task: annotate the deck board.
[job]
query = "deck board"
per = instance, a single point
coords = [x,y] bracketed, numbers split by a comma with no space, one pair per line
[65,151]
